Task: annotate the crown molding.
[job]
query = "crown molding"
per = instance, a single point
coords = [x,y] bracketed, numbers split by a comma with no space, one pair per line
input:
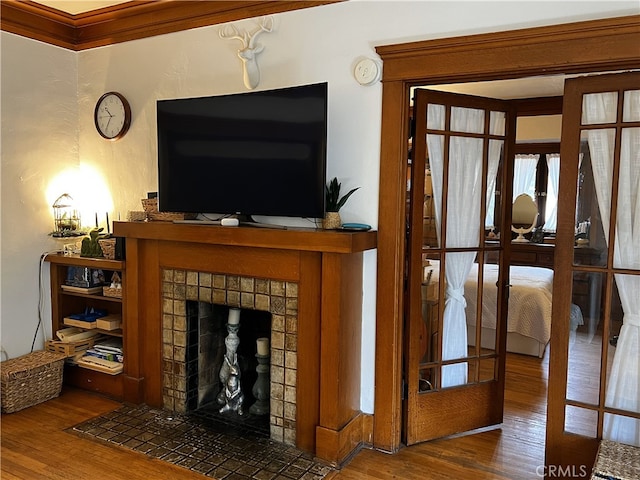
[38,22]
[131,20]
[607,44]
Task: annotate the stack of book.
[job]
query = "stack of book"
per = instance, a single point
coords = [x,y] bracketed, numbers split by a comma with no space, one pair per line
[105,356]
[108,349]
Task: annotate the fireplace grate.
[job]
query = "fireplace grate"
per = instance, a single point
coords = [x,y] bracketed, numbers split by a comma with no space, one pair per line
[247,423]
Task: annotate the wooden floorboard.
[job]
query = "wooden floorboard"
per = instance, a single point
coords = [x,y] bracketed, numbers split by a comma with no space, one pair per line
[511,451]
[36,443]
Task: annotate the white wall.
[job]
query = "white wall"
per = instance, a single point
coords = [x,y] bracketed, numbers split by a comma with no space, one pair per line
[307,46]
[39,139]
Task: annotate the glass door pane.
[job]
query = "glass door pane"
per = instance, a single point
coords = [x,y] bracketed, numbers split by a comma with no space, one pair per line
[455,171]
[595,326]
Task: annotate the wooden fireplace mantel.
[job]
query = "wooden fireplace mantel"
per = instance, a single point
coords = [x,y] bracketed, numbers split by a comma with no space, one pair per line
[326,265]
[299,239]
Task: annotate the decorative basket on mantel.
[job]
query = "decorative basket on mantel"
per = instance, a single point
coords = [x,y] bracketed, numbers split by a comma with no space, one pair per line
[150,207]
[332,221]
[165,216]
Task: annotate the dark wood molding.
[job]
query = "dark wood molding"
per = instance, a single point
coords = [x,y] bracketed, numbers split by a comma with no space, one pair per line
[531,107]
[298,239]
[583,47]
[38,22]
[538,147]
[520,53]
[131,20]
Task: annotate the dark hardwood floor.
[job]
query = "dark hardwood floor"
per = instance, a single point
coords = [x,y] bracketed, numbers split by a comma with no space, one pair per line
[35,443]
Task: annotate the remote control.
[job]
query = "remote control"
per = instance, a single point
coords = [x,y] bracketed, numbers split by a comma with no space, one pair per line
[229,222]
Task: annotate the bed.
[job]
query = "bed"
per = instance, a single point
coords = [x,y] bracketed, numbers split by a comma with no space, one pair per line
[530,300]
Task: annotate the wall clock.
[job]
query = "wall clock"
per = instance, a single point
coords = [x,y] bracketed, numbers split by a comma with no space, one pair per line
[112,115]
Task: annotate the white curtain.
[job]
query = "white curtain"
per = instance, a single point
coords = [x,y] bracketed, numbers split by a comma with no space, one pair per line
[463,220]
[524,175]
[495,148]
[553,180]
[623,386]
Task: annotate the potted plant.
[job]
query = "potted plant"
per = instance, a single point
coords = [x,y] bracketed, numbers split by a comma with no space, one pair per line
[334,203]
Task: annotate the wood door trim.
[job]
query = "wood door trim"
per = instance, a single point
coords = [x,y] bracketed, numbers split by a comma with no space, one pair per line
[516,53]
[581,47]
[131,20]
[529,107]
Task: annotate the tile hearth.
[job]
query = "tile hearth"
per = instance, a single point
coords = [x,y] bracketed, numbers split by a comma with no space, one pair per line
[203,444]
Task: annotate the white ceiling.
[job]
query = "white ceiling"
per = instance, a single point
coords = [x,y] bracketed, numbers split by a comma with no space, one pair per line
[74,7]
[530,87]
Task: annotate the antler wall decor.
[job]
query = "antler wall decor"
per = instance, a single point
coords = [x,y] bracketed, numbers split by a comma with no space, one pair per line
[250,49]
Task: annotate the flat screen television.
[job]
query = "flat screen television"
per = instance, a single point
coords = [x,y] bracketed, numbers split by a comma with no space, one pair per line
[253,153]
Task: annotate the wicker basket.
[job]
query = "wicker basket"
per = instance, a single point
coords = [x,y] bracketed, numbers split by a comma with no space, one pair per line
[332,221]
[112,292]
[165,216]
[30,379]
[617,461]
[150,205]
[136,216]
[108,246]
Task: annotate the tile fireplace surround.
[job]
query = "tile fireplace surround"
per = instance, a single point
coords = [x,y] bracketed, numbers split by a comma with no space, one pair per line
[277,297]
[310,281]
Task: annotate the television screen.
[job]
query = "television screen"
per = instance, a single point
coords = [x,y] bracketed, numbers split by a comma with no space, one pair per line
[254,153]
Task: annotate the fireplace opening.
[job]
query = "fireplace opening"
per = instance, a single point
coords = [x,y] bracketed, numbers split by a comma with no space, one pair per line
[210,394]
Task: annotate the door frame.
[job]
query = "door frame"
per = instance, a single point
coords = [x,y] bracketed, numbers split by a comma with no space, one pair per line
[572,48]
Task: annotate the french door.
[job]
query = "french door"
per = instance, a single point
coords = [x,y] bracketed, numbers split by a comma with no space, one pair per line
[594,374]
[454,362]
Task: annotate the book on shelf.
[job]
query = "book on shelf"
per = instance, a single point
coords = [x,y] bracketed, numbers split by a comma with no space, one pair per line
[85,290]
[110,344]
[113,357]
[84,277]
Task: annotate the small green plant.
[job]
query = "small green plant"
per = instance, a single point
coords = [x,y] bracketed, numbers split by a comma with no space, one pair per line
[90,246]
[334,200]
